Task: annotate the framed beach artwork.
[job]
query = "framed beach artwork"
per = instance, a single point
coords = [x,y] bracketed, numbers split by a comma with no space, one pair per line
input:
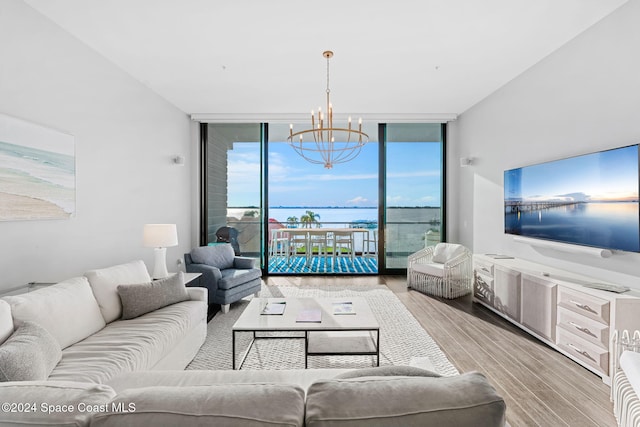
[37,171]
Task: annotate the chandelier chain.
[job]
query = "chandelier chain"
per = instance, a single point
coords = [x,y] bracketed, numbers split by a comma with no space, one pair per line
[328,90]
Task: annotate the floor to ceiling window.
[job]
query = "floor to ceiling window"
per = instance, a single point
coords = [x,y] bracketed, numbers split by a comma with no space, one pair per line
[360,217]
[413,210]
[232,159]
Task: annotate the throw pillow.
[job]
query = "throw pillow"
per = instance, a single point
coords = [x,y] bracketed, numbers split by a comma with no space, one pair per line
[29,354]
[444,252]
[147,297]
[219,256]
[104,283]
[387,371]
[6,321]
[68,310]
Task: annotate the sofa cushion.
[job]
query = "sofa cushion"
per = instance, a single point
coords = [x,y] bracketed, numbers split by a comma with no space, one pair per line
[302,378]
[129,345]
[48,396]
[232,277]
[387,371]
[220,256]
[146,297]
[431,269]
[6,321]
[68,310]
[459,401]
[232,405]
[104,283]
[444,252]
[30,353]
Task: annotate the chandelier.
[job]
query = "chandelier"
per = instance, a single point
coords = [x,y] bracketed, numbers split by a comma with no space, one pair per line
[328,145]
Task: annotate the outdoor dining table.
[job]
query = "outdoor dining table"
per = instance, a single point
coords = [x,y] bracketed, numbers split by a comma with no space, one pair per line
[306,233]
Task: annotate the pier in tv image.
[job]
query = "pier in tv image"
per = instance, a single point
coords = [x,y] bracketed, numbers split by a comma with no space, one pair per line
[589,200]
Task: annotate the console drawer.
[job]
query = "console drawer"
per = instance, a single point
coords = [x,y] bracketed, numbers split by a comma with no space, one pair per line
[590,354]
[482,267]
[588,329]
[587,305]
[483,288]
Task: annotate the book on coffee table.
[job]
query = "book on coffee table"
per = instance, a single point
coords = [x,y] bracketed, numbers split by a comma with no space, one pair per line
[343,308]
[313,315]
[274,308]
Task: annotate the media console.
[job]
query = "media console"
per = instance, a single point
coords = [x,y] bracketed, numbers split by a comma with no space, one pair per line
[557,307]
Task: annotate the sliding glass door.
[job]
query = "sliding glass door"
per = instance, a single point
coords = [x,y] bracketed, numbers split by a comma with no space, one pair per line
[270,203]
[321,220]
[414,182]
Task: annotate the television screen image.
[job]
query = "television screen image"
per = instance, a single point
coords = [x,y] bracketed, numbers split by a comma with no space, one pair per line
[589,200]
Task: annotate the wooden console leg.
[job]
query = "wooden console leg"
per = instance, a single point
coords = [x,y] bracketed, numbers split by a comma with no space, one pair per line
[225,308]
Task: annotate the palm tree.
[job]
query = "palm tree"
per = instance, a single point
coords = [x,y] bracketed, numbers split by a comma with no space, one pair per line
[292,222]
[310,218]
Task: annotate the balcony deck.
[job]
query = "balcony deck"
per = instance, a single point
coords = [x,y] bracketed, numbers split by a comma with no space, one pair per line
[323,265]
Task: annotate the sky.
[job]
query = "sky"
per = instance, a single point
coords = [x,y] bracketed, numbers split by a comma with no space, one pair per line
[22,132]
[413,177]
[604,176]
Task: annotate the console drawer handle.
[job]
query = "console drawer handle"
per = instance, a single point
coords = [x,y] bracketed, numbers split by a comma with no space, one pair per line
[582,352]
[583,306]
[583,329]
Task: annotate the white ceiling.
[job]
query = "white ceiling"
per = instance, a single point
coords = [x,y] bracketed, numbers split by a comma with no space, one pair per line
[245,58]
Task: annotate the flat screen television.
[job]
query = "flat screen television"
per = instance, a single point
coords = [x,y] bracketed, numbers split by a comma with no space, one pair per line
[589,200]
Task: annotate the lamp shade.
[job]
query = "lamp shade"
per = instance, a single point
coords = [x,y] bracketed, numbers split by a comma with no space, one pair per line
[160,235]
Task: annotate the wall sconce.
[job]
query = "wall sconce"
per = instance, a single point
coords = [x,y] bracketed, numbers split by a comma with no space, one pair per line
[466,161]
[178,160]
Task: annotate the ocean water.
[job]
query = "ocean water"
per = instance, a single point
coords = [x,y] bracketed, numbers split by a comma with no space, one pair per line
[39,174]
[604,225]
[406,228]
[342,217]
[329,217]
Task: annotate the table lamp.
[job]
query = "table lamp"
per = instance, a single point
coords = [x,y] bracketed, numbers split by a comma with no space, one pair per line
[160,237]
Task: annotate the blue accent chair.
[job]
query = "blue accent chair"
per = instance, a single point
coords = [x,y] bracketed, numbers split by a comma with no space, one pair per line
[227,277]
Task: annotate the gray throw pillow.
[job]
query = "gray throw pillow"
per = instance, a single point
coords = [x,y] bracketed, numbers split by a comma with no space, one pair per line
[147,297]
[387,371]
[29,354]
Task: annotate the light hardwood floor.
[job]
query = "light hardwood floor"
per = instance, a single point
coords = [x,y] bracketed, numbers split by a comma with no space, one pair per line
[540,386]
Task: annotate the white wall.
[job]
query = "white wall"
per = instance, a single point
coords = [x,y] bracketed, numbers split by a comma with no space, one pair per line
[125,136]
[583,98]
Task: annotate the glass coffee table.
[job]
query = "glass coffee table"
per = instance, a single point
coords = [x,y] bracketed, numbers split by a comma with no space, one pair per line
[334,335]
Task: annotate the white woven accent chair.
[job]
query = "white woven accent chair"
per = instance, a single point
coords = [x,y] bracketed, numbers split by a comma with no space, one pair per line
[625,378]
[443,270]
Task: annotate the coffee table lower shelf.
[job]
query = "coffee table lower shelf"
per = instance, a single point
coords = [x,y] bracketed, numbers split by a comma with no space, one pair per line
[345,342]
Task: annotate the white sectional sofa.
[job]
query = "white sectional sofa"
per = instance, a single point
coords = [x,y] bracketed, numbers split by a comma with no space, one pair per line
[82,362]
[83,315]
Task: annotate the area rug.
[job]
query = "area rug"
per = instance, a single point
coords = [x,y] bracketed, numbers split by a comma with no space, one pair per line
[402,340]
